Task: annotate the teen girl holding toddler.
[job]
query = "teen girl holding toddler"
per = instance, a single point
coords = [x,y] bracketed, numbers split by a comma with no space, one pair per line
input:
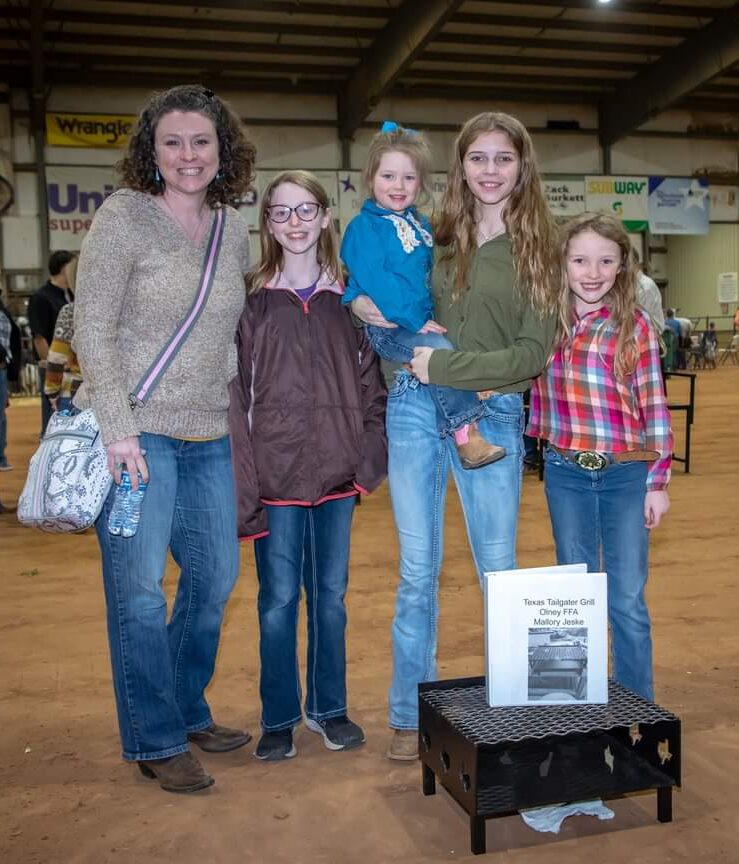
[494,293]
[601,406]
[308,426]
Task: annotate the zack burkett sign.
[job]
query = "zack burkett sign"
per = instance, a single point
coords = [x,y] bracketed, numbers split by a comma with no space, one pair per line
[565,197]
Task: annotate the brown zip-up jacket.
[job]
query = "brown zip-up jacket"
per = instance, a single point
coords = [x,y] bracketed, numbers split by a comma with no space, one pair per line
[307,411]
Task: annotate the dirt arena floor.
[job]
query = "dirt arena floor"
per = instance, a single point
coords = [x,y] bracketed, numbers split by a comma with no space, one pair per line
[66,796]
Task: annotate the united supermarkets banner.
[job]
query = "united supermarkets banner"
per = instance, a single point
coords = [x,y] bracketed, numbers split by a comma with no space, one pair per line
[626,198]
[74,193]
[679,205]
[89,130]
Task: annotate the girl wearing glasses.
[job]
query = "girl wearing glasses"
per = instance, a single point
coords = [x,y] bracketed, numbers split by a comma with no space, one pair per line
[308,430]
[387,249]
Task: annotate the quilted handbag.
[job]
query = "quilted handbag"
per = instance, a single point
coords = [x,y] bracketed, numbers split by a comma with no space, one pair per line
[68,478]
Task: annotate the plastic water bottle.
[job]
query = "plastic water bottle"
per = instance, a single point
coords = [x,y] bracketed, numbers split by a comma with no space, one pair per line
[126,511]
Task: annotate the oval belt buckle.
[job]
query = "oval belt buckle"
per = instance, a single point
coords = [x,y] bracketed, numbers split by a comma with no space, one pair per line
[590,460]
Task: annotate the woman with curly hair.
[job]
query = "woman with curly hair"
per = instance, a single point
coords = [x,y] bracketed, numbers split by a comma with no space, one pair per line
[139,282]
[495,290]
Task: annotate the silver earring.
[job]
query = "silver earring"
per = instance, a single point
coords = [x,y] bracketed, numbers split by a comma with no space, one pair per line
[157,176]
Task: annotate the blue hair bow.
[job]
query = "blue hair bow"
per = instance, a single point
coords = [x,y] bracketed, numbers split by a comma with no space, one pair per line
[392,126]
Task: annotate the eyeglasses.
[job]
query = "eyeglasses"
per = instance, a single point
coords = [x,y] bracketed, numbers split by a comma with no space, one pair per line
[306,212]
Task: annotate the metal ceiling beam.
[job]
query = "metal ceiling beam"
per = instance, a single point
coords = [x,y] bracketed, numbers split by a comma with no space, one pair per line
[592,45]
[720,90]
[719,106]
[401,41]
[648,8]
[156,43]
[496,59]
[492,96]
[453,77]
[20,76]
[678,73]
[273,28]
[212,65]
[481,19]
[290,7]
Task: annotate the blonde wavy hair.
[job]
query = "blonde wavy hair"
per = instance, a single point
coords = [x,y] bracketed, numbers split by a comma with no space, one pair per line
[414,145]
[272,260]
[527,218]
[620,300]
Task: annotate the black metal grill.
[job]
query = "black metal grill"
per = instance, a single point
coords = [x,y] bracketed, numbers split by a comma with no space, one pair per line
[498,760]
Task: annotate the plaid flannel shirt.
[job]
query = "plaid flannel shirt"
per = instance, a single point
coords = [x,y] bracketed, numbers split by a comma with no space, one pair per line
[5,332]
[578,404]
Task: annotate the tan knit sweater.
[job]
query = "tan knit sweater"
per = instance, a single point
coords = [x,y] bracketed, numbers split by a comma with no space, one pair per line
[137,277]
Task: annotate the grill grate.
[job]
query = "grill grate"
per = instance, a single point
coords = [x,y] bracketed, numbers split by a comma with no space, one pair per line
[554,652]
[467,710]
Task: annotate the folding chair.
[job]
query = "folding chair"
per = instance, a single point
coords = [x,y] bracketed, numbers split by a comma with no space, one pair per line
[731,351]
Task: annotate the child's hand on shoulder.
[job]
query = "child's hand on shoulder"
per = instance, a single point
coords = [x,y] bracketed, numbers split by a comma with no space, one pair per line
[367,311]
[432,327]
[656,504]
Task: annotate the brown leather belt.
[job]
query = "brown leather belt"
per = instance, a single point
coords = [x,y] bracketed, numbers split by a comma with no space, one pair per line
[592,460]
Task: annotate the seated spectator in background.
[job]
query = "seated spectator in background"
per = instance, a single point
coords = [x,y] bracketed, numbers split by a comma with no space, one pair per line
[709,345]
[648,295]
[63,376]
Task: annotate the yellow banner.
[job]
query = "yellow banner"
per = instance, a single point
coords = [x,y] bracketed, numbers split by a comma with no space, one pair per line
[88,130]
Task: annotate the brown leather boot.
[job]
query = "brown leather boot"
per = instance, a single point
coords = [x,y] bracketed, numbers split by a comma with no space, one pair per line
[477,451]
[219,739]
[180,773]
[404,745]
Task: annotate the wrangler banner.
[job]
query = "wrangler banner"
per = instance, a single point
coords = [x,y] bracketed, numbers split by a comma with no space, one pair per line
[89,130]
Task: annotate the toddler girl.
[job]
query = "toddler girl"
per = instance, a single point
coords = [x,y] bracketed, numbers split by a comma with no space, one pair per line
[387,249]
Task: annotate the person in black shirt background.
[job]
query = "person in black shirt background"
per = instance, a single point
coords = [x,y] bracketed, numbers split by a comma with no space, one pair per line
[43,308]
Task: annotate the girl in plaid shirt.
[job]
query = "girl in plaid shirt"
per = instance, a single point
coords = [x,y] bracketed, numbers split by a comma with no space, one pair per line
[600,404]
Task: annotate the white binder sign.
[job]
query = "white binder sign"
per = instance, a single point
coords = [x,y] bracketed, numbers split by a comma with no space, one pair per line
[546,636]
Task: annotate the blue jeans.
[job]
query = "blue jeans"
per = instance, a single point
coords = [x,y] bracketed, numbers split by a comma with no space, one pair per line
[46,407]
[598,517]
[454,408]
[3,417]
[418,469]
[308,547]
[161,668]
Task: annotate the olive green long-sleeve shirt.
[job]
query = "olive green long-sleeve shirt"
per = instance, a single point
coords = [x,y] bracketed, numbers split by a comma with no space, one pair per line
[501,342]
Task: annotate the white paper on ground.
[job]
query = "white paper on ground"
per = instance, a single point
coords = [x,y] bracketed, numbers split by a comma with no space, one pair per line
[551,818]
